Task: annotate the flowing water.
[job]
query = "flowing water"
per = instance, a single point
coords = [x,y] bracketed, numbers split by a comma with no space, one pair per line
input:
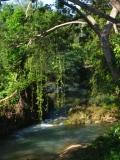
[46,140]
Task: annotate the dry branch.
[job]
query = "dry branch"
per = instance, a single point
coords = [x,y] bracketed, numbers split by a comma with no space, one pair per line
[54,28]
[8,97]
[93,10]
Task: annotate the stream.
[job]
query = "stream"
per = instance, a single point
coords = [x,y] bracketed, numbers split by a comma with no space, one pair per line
[46,140]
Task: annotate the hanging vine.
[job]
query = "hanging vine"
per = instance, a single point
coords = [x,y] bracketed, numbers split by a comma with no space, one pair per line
[58,67]
[38,64]
[36,68]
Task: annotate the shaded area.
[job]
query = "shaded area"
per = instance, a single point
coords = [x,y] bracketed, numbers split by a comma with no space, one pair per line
[46,141]
[103,148]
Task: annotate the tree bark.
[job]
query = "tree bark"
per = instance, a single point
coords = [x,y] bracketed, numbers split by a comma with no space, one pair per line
[95,11]
[106,46]
[104,33]
[116,4]
[28,8]
[45,33]
[109,56]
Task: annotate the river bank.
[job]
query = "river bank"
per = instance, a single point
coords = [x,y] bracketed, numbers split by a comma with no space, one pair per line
[47,141]
[57,140]
[13,118]
[92,114]
[103,148]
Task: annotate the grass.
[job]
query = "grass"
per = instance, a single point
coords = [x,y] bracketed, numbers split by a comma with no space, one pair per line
[92,114]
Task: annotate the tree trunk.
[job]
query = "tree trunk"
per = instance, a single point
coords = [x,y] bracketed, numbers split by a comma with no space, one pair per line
[109,56]
[106,46]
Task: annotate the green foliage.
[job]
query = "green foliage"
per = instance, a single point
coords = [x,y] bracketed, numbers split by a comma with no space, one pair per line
[24,65]
[71,54]
[115,131]
[66,53]
[113,156]
[115,44]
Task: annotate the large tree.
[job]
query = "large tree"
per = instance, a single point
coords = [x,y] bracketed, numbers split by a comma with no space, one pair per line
[89,10]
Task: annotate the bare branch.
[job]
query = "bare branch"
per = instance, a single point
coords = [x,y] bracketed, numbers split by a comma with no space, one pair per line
[54,28]
[89,19]
[93,10]
[28,8]
[109,24]
[115,28]
[106,47]
[92,20]
[61,25]
[8,97]
[116,4]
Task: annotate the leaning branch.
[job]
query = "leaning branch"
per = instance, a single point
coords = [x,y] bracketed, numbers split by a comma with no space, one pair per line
[89,19]
[93,10]
[60,25]
[105,44]
[54,28]
[116,4]
[8,97]
[28,8]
